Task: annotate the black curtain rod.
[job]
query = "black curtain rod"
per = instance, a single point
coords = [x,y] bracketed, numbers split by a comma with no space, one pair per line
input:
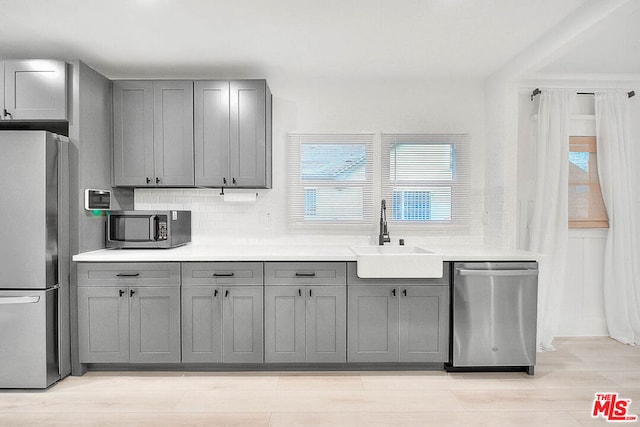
[537,91]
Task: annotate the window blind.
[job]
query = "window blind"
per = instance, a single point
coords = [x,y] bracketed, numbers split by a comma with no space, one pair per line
[330,179]
[426,178]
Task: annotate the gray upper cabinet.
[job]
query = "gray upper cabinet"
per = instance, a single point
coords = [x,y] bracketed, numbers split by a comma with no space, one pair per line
[211,132]
[305,312]
[133,133]
[33,89]
[153,133]
[233,133]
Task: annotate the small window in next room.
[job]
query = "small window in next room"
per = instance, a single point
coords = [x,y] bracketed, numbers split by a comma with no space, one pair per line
[586,207]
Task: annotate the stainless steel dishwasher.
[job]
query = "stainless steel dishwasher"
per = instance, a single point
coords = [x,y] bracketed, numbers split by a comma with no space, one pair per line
[494,306]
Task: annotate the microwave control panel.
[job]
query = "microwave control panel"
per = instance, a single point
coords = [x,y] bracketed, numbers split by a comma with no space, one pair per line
[162,230]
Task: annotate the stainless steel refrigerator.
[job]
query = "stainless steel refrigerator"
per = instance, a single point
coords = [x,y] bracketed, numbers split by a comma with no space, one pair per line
[33,257]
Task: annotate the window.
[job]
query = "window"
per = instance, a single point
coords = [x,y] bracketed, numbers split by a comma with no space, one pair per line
[330,179]
[586,207]
[425,177]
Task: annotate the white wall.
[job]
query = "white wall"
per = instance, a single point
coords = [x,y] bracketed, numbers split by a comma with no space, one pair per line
[338,106]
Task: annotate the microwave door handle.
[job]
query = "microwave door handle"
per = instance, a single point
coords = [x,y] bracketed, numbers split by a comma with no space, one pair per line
[153,232]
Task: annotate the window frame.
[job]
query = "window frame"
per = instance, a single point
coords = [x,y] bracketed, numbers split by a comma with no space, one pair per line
[298,186]
[459,184]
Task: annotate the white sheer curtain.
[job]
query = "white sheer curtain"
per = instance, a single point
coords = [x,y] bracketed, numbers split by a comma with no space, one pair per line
[549,222]
[617,171]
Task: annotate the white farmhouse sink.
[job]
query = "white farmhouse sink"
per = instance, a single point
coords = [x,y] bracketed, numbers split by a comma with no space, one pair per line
[397,262]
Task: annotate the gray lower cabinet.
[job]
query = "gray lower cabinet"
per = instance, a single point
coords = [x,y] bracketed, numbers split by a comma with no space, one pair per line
[305,321]
[373,324]
[222,312]
[129,312]
[136,324]
[396,320]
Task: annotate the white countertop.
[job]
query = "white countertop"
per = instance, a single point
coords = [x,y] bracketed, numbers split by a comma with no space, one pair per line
[253,252]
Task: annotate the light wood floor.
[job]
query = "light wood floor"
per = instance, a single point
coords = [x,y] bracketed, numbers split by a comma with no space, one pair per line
[561,393]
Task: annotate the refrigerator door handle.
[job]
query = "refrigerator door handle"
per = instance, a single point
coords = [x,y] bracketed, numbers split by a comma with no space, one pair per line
[525,272]
[19,300]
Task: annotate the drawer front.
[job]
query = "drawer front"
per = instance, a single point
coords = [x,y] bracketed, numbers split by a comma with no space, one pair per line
[305,273]
[129,273]
[353,278]
[222,273]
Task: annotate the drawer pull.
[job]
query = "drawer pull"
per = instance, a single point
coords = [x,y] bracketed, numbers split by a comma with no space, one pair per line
[305,274]
[127,274]
[223,274]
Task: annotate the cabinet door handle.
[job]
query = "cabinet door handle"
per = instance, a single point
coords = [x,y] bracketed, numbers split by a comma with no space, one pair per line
[6,113]
[393,292]
[299,292]
[157,180]
[215,293]
[131,293]
[310,293]
[226,293]
[127,274]
[224,181]
[404,292]
[121,292]
[233,180]
[223,274]
[305,274]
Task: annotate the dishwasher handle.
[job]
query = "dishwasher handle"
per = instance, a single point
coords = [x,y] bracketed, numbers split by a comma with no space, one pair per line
[518,272]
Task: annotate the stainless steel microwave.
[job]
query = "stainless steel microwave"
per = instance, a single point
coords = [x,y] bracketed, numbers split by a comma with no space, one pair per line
[148,229]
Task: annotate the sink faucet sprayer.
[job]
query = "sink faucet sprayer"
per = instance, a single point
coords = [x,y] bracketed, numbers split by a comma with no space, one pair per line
[383,237]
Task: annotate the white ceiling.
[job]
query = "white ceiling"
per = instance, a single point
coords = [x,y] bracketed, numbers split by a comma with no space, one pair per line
[394,39]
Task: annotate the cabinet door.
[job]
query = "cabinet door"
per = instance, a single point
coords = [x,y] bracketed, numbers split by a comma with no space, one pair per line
[373,324]
[133,133]
[424,324]
[173,133]
[247,134]
[284,331]
[103,324]
[326,325]
[211,137]
[202,324]
[242,334]
[155,324]
[35,89]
